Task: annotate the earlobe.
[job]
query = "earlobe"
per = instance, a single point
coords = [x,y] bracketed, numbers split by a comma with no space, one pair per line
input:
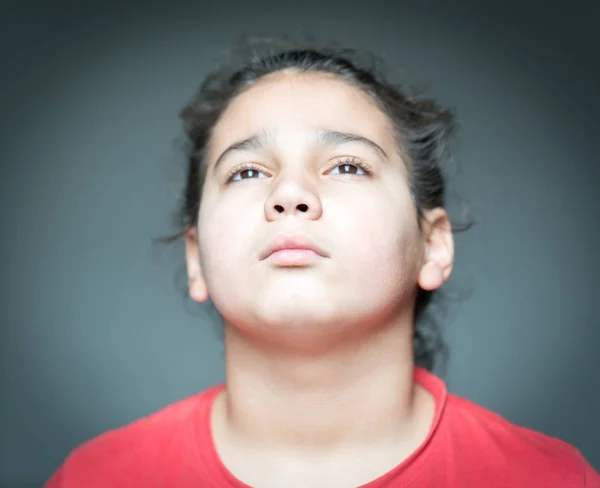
[431,276]
[196,284]
[198,291]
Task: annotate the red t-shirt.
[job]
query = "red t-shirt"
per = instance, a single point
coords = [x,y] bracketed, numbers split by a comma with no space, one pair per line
[467,447]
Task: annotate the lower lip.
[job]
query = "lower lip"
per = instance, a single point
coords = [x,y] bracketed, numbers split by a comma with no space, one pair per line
[293,257]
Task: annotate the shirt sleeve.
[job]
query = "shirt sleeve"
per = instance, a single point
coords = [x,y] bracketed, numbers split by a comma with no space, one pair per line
[591,477]
[55,480]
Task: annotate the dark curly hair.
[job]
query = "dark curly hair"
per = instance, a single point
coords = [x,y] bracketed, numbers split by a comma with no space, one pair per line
[422,129]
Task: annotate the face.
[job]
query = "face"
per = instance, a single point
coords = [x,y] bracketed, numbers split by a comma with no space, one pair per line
[300,177]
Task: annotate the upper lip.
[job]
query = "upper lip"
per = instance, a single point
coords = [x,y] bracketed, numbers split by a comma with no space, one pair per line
[286,241]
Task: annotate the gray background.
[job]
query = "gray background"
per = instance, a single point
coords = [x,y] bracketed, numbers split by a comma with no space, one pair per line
[94,329]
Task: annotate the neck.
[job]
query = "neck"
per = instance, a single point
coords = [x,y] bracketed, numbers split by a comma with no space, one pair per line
[359,393]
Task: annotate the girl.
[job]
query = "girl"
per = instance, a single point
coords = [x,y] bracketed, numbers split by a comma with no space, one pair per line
[314,221]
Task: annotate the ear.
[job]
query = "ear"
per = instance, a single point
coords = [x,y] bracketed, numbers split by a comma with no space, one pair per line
[196,284]
[438,249]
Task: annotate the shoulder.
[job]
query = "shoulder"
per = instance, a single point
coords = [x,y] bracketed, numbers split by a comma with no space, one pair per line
[511,449]
[145,431]
[117,451]
[482,424]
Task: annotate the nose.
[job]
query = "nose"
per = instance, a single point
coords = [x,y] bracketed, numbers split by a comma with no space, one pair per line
[293,198]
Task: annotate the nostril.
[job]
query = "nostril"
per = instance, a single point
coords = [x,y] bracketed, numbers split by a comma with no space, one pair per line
[302,207]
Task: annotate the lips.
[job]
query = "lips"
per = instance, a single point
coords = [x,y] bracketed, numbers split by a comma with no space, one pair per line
[292,242]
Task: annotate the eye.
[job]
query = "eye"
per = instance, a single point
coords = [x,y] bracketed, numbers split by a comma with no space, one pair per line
[351,166]
[244,171]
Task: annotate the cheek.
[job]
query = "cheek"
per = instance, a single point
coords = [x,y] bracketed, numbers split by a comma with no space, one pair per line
[378,227]
[227,236]
[381,242]
[220,239]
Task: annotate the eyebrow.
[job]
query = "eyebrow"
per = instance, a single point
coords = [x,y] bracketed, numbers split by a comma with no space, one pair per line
[324,137]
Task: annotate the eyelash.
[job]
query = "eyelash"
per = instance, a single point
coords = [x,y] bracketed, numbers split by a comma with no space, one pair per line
[351,160]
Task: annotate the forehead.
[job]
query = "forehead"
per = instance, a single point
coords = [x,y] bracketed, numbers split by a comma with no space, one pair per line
[292,102]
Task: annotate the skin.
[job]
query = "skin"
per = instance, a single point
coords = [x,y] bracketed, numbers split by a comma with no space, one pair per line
[319,359]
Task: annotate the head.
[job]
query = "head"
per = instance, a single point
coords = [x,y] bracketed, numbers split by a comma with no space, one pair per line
[303,142]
